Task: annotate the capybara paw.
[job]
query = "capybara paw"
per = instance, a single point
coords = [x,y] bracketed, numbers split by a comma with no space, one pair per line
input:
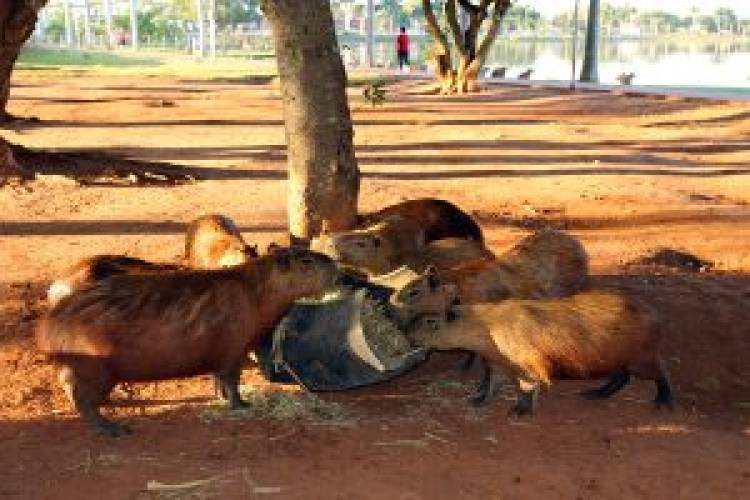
[522,408]
[238,404]
[478,400]
[660,403]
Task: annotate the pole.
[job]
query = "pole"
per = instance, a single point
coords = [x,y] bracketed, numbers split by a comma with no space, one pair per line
[68,25]
[88,40]
[108,24]
[201,29]
[134,24]
[575,47]
[370,25]
[212,28]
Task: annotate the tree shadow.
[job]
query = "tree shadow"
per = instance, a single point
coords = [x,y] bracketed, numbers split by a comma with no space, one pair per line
[734,117]
[112,227]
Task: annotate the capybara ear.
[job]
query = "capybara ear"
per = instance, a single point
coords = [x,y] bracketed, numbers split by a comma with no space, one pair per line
[433,278]
[272,247]
[283,258]
[251,251]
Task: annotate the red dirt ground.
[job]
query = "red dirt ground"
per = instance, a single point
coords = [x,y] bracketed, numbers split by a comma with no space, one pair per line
[626,174]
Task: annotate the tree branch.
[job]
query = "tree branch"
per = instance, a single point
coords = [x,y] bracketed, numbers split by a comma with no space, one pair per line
[501,8]
[434,28]
[455,29]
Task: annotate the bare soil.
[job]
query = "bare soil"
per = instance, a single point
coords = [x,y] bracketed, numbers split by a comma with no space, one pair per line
[123,163]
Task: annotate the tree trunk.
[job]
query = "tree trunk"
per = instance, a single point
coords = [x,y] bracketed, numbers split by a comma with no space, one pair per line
[590,70]
[17,21]
[323,172]
[464,78]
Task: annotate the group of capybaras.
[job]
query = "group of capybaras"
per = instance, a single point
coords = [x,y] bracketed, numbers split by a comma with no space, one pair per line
[529,313]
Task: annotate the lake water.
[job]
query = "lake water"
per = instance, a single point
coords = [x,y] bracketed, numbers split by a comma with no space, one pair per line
[719,64]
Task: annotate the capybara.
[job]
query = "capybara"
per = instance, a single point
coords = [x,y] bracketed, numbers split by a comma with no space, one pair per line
[438,219]
[149,327]
[547,263]
[448,253]
[213,241]
[378,249]
[597,333]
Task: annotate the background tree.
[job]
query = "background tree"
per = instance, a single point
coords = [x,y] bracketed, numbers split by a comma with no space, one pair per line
[590,70]
[323,174]
[471,54]
[17,21]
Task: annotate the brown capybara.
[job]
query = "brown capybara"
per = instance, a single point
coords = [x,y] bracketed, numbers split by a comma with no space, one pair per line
[149,327]
[378,249]
[548,263]
[448,253]
[594,334]
[438,219]
[98,268]
[213,241]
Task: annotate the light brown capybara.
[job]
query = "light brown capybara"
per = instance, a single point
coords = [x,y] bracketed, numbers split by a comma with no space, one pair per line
[149,327]
[547,263]
[211,242]
[448,253]
[439,219]
[378,249]
[594,334]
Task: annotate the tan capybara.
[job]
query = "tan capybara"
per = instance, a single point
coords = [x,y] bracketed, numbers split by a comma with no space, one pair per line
[449,253]
[547,263]
[149,327]
[376,250]
[211,242]
[439,219]
[597,333]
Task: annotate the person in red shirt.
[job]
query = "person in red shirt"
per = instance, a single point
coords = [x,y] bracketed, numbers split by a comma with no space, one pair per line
[402,49]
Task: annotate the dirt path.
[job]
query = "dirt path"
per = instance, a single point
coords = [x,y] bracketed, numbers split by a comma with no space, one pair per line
[628,175]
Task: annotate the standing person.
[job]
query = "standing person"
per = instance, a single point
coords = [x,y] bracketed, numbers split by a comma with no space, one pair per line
[402,49]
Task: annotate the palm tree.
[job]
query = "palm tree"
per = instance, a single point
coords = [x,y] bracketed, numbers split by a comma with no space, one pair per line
[590,71]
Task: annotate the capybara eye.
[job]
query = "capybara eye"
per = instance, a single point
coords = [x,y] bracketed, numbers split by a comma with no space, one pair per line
[306,260]
[360,244]
[413,294]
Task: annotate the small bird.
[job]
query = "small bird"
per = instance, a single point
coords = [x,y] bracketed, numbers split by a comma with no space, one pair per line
[626,78]
[526,75]
[498,72]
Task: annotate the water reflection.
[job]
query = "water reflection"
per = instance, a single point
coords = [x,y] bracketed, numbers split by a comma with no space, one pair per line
[654,61]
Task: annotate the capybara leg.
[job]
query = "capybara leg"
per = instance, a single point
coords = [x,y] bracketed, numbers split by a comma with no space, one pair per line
[88,388]
[486,386]
[230,380]
[528,392]
[663,387]
[468,362]
[616,382]
[219,391]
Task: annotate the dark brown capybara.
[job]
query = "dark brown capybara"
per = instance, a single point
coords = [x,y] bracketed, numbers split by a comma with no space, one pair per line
[594,334]
[149,327]
[211,242]
[376,250]
[437,218]
[448,253]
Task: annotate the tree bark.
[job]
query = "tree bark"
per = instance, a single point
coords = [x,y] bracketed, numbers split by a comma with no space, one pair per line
[443,64]
[590,70]
[17,21]
[323,174]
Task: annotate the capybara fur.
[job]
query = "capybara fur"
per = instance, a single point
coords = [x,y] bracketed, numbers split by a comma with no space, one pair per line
[148,327]
[547,263]
[376,250]
[213,241]
[438,219]
[448,253]
[98,268]
[594,334]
